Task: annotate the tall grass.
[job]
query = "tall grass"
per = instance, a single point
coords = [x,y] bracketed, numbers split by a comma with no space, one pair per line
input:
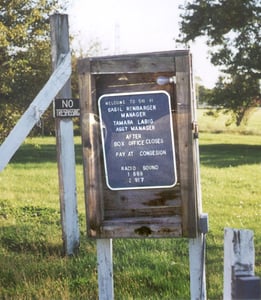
[32,264]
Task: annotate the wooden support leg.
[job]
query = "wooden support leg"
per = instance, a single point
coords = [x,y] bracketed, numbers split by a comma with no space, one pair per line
[105,269]
[197,268]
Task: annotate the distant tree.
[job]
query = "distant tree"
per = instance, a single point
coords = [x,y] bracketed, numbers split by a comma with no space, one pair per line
[24,54]
[232,28]
[238,96]
[204,95]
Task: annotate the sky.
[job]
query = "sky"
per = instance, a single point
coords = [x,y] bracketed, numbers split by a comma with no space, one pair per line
[135,26]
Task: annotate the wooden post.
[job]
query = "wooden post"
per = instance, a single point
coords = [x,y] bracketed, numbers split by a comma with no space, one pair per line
[189,160]
[65,144]
[105,269]
[197,268]
[239,257]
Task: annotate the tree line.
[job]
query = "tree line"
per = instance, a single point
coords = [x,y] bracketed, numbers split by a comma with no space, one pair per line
[232,28]
[24,55]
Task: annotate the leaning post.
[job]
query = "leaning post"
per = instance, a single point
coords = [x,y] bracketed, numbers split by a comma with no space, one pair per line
[65,143]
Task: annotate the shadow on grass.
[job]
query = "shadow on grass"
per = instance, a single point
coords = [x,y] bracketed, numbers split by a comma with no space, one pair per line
[213,155]
[23,239]
[30,153]
[229,155]
[35,227]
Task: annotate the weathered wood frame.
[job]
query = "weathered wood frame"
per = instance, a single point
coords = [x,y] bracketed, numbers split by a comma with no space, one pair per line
[171,212]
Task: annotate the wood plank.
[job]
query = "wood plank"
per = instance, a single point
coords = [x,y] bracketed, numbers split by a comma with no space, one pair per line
[124,65]
[185,145]
[126,83]
[91,142]
[161,227]
[132,63]
[34,112]
[142,203]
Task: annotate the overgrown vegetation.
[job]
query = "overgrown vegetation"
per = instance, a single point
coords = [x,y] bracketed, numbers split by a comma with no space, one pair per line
[32,264]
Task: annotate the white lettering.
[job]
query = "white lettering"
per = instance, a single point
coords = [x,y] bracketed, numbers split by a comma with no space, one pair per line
[153,152]
[115,102]
[121,129]
[115,109]
[67,112]
[136,143]
[118,144]
[128,168]
[67,103]
[139,179]
[150,107]
[120,154]
[150,167]
[139,114]
[154,141]
[144,127]
[137,173]
[122,122]
[134,136]
[145,121]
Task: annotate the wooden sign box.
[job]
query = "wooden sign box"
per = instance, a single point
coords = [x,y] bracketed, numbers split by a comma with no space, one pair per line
[138,213]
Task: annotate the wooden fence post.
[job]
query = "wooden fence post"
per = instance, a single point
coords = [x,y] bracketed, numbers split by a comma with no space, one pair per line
[65,144]
[239,257]
[105,269]
[197,267]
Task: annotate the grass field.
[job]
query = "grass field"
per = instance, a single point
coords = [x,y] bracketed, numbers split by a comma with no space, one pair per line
[32,265]
[219,123]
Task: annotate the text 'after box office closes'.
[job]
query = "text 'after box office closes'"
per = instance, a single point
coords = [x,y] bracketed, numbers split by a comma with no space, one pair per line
[140,152]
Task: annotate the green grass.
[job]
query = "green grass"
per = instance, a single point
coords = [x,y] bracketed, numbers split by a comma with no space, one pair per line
[231,176]
[32,264]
